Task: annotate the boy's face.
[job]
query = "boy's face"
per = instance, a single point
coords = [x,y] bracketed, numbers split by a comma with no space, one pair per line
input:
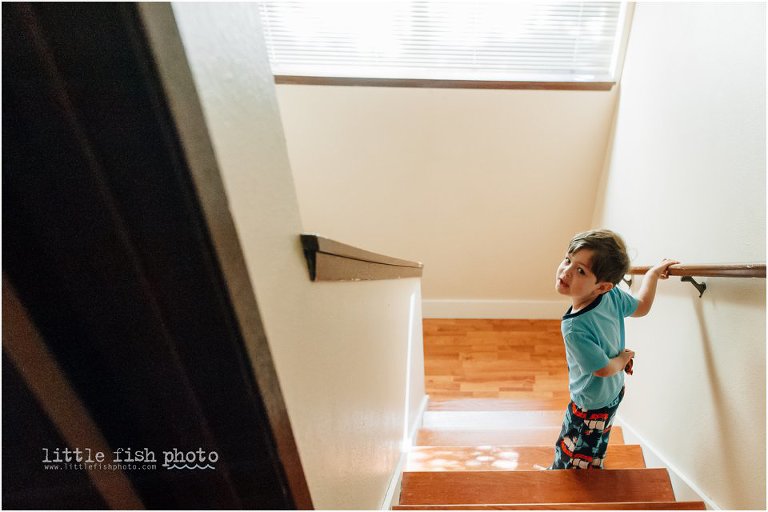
[575,279]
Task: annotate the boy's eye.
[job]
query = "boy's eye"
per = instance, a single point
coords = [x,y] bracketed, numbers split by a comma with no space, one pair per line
[581,271]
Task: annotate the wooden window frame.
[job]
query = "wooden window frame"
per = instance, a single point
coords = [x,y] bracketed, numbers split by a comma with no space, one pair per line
[442,84]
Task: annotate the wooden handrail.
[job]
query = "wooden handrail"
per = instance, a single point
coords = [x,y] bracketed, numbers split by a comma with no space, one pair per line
[329,260]
[740,270]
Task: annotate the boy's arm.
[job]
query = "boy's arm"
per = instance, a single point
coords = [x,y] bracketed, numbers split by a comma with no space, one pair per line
[648,288]
[615,365]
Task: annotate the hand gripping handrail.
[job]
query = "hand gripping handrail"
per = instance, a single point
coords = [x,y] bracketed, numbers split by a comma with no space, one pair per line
[687,272]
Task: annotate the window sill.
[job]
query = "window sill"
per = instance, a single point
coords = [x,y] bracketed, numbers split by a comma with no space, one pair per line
[442,84]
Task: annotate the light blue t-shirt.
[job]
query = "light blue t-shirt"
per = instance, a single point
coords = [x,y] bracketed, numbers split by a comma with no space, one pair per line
[592,337]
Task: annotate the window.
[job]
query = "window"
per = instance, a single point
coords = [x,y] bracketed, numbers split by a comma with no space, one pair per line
[481,41]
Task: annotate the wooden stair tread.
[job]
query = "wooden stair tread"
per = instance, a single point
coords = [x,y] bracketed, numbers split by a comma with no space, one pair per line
[564,486]
[496,404]
[492,419]
[657,505]
[508,458]
[535,436]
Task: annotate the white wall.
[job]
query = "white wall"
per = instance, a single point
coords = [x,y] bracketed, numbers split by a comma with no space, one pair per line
[340,349]
[485,187]
[685,179]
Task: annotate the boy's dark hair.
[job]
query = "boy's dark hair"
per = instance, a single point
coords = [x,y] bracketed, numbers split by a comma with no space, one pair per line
[610,262]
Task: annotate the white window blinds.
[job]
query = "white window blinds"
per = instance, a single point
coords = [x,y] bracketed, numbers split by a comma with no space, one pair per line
[423,39]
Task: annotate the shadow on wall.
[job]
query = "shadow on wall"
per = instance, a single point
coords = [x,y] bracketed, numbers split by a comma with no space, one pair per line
[725,438]
[726,441]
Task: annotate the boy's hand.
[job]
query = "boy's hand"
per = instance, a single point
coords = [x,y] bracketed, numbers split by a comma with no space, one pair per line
[648,289]
[661,270]
[615,364]
[630,355]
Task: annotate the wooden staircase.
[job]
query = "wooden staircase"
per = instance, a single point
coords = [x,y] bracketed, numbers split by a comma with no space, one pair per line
[484,454]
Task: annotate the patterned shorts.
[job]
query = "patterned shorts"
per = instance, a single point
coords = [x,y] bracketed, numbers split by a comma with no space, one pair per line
[584,437]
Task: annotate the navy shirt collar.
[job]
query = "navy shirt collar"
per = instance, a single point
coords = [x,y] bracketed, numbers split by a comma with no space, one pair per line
[592,306]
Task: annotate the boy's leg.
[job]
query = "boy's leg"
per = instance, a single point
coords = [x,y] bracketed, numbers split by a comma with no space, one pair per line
[584,437]
[595,437]
[603,433]
[566,441]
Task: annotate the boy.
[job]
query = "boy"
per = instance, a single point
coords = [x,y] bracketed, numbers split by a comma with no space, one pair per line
[593,332]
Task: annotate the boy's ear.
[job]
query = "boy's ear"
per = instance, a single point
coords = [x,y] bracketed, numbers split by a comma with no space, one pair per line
[604,287]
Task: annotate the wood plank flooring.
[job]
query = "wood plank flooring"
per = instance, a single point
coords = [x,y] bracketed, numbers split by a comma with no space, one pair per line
[495,359]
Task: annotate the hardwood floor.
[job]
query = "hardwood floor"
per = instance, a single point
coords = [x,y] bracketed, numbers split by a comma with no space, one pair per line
[512,360]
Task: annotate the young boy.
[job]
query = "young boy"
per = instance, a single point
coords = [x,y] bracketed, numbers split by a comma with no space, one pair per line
[593,332]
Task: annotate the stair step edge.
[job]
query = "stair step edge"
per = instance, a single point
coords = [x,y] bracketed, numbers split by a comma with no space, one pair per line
[497,404]
[478,487]
[507,458]
[637,505]
[489,419]
[486,437]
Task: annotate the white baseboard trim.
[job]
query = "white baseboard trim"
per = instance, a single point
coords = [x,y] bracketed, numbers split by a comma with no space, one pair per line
[685,489]
[512,309]
[393,489]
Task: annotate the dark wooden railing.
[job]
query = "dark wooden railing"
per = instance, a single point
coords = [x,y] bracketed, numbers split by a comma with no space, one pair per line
[740,270]
[687,272]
